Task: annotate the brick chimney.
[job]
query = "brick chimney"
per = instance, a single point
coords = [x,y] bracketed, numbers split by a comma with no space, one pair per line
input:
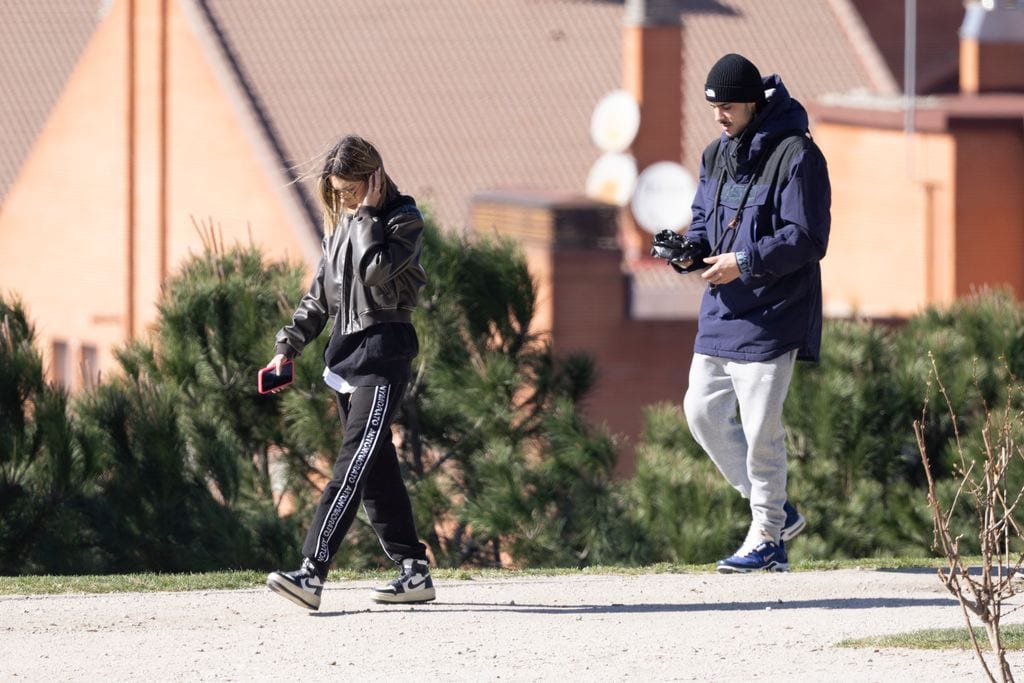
[652,71]
[992,47]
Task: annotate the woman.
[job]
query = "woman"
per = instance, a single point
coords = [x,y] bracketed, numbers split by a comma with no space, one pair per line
[368,281]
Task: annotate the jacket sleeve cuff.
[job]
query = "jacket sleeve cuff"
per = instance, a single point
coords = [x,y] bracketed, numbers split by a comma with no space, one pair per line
[285,350]
[743,261]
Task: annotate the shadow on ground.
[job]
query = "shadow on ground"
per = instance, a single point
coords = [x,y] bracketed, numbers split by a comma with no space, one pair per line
[836,604]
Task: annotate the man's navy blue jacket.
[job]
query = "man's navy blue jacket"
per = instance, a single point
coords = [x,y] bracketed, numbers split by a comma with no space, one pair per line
[775,306]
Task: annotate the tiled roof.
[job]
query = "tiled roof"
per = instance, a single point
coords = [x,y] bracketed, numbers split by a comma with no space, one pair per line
[464,95]
[40,43]
[801,40]
[937,39]
[460,95]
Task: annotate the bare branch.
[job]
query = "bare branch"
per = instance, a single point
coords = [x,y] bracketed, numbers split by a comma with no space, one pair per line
[985,488]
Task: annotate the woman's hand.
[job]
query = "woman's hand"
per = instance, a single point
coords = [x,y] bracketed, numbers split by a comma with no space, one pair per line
[275,363]
[374,188]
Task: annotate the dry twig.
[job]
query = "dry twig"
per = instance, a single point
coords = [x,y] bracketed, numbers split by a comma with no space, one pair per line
[983,594]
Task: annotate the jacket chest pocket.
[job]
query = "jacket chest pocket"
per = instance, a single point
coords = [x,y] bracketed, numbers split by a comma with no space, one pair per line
[755,216]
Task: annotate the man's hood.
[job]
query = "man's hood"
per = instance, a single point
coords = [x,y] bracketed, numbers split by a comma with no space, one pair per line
[780,117]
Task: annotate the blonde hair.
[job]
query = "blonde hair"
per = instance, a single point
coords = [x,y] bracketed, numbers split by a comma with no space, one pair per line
[352,159]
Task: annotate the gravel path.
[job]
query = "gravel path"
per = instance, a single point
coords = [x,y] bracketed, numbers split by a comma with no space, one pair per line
[684,627]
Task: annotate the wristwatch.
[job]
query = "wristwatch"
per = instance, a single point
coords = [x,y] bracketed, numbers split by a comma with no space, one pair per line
[743,261]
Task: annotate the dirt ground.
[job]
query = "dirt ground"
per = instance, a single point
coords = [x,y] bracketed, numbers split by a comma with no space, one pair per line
[662,627]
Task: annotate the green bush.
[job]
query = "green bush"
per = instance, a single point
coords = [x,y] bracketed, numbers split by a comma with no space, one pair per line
[175,463]
[498,458]
[188,466]
[46,468]
[855,468]
[186,439]
[689,513]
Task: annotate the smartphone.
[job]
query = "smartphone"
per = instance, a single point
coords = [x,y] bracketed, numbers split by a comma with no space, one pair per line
[267,380]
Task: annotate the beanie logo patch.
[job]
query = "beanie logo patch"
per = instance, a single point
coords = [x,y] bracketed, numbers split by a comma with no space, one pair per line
[710,92]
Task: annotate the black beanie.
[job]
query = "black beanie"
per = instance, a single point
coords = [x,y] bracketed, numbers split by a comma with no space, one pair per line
[734,78]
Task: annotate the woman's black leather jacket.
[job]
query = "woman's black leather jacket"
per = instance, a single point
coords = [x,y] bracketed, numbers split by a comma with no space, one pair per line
[369,273]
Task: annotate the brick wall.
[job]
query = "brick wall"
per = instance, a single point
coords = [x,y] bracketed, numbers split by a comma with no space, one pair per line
[86,249]
[989,215]
[921,220]
[652,71]
[992,67]
[571,242]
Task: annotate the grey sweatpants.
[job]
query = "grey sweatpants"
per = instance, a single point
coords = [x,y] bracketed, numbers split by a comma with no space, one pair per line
[751,451]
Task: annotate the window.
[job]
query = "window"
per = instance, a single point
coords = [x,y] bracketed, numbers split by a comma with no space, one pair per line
[88,360]
[60,364]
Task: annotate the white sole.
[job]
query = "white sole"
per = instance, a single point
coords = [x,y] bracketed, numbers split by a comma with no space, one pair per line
[789,533]
[296,595]
[425,595]
[774,567]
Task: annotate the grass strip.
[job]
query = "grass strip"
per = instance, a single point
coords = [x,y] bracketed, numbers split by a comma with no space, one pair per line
[230,580]
[1012,636]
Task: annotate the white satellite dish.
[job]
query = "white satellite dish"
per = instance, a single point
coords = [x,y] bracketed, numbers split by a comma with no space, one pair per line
[612,178]
[615,121]
[663,196]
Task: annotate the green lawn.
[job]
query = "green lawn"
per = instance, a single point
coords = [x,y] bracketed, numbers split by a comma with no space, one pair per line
[942,639]
[41,585]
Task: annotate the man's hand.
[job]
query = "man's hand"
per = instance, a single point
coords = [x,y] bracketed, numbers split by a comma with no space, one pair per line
[723,269]
[683,254]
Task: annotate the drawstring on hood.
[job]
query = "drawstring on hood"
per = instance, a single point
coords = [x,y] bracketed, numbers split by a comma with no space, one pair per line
[743,157]
[779,117]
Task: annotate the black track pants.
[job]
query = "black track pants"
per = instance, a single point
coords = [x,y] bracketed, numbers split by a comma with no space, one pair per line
[366,468]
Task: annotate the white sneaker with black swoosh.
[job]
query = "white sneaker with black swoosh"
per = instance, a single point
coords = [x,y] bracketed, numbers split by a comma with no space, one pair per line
[302,586]
[412,585]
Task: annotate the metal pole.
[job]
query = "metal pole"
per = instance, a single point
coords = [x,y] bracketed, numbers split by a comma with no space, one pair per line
[162,142]
[130,163]
[909,77]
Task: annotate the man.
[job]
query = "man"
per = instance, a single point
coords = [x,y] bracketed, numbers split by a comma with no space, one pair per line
[760,227]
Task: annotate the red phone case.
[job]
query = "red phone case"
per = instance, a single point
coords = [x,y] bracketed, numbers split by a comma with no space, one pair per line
[265,387]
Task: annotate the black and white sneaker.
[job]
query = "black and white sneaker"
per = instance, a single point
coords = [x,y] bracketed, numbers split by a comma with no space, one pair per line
[412,585]
[302,586]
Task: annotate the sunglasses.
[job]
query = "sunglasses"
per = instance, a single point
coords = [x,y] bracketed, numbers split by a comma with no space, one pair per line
[348,192]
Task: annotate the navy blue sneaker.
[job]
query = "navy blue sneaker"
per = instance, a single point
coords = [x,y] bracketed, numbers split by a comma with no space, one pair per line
[767,556]
[795,522]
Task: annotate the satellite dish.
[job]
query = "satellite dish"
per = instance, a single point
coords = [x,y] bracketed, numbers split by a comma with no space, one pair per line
[663,196]
[612,178]
[615,121]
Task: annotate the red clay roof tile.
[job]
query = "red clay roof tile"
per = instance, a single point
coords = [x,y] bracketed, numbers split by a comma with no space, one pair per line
[461,95]
[40,43]
[465,95]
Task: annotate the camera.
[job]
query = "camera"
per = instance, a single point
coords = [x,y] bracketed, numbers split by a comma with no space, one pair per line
[682,254]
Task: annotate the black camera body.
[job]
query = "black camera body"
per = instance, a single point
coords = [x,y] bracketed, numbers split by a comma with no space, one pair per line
[683,254]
